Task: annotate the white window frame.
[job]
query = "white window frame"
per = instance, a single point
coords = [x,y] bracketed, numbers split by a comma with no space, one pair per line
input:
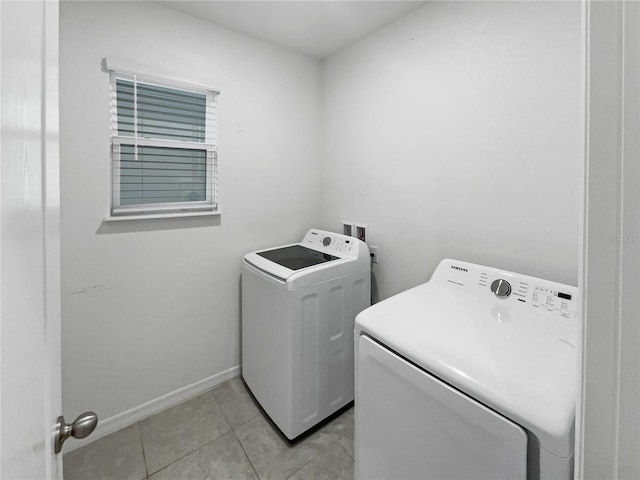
[210,206]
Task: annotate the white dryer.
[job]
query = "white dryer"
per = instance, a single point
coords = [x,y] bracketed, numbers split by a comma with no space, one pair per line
[471,375]
[299,304]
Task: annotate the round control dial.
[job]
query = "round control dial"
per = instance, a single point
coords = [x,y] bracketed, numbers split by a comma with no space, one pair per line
[501,288]
[326,241]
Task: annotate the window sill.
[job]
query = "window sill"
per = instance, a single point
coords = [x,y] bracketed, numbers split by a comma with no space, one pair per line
[153,216]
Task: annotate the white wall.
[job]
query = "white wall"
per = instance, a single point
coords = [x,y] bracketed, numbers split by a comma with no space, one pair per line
[457,132]
[149,307]
[454,132]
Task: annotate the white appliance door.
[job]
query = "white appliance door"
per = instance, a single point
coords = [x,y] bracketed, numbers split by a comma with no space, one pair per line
[410,425]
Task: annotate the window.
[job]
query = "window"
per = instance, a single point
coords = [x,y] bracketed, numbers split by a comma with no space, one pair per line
[163,146]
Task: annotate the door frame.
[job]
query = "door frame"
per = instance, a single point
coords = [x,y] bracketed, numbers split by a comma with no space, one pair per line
[607,417]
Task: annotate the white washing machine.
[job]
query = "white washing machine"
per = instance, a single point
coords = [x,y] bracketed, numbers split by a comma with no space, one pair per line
[471,375]
[299,303]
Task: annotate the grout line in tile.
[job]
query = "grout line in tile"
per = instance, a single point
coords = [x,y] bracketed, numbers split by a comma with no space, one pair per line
[345,451]
[247,420]
[215,399]
[247,455]
[192,451]
[225,414]
[144,455]
[301,467]
[199,446]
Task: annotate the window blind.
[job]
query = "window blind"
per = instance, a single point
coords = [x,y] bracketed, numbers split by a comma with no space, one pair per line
[163,147]
[162,175]
[157,112]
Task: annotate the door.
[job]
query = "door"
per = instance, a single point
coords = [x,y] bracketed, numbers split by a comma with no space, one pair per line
[29,241]
[411,426]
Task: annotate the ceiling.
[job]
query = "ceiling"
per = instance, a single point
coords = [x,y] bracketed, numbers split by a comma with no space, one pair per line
[314,27]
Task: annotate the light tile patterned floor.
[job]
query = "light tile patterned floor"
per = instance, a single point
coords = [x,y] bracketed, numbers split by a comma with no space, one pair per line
[220,434]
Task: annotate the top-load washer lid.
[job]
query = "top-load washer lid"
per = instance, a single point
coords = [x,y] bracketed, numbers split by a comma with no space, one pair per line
[508,340]
[296,257]
[320,255]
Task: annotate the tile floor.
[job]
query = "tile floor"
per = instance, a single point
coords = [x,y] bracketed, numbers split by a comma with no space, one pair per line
[219,434]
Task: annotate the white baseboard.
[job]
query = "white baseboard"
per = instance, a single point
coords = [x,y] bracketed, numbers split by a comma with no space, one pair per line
[135,414]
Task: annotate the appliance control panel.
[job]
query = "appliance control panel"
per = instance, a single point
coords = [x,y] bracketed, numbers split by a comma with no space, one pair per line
[508,287]
[332,243]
